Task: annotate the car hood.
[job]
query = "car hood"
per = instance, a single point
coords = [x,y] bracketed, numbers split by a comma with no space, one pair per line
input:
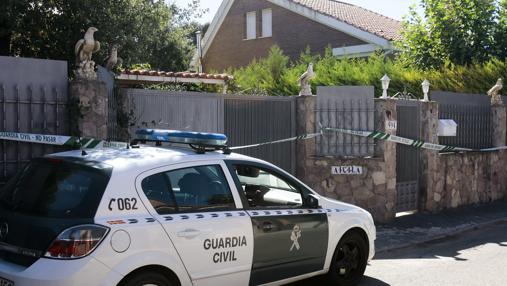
[330,203]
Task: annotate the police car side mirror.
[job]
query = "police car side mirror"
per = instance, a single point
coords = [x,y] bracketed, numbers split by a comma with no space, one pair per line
[312,202]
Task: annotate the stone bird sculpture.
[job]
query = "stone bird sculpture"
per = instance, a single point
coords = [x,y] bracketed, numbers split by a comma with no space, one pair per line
[113,60]
[494,92]
[86,47]
[304,81]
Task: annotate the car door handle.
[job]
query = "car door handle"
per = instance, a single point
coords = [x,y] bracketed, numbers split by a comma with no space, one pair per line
[267,226]
[189,233]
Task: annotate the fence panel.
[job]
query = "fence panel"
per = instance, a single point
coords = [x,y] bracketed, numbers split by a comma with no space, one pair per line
[256,119]
[194,111]
[33,99]
[472,113]
[245,119]
[347,108]
[113,131]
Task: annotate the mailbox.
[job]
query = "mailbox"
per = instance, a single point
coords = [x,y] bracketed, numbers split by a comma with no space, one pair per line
[447,127]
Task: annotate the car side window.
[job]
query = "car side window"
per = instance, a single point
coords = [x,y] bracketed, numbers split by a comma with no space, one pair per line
[159,192]
[193,189]
[264,188]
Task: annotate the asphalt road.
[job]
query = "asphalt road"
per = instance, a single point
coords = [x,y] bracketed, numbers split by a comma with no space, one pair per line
[478,257]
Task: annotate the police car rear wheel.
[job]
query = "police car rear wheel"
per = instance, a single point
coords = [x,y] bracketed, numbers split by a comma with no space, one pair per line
[349,260]
[149,278]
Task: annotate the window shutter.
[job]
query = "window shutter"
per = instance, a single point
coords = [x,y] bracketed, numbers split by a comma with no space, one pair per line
[251,31]
[267,23]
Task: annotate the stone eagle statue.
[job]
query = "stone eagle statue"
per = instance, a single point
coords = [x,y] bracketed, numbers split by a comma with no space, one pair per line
[112,59]
[86,47]
[304,81]
[494,92]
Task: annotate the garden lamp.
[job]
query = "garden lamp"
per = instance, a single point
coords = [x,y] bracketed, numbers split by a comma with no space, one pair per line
[426,90]
[385,85]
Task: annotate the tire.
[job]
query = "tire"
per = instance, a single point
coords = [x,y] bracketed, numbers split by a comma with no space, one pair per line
[349,261]
[146,278]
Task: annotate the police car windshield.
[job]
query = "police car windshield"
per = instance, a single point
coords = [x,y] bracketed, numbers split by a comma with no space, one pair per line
[55,188]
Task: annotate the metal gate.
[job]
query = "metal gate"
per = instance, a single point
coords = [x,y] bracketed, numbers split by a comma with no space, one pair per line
[253,119]
[107,77]
[33,99]
[345,107]
[407,157]
[245,119]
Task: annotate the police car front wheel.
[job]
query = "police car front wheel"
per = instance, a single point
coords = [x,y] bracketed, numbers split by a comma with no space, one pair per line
[148,278]
[349,260]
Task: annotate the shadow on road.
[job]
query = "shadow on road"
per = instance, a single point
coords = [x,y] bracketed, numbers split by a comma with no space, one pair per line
[366,281]
[370,281]
[451,247]
[496,234]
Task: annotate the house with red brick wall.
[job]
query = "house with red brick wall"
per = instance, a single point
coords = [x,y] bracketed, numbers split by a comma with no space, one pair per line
[246,29]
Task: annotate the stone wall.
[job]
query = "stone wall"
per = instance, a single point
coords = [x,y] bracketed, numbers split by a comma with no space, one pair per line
[454,180]
[446,180]
[374,189]
[468,178]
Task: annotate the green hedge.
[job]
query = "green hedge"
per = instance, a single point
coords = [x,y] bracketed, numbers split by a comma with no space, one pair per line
[276,75]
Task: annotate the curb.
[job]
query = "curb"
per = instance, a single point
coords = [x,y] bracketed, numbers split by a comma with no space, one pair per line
[453,232]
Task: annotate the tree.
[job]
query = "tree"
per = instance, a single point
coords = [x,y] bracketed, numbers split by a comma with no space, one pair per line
[501,31]
[147,31]
[453,31]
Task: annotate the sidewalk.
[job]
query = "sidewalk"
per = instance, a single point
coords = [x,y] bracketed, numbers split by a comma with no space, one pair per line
[420,228]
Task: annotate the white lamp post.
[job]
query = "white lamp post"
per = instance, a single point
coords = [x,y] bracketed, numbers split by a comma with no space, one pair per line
[426,89]
[385,85]
[198,35]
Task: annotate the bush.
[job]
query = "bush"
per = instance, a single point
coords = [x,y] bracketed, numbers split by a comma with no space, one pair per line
[276,75]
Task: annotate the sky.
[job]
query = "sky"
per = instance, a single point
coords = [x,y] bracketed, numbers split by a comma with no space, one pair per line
[392,8]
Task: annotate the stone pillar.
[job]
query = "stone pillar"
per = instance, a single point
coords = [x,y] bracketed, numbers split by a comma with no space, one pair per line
[499,119]
[498,159]
[430,189]
[385,110]
[89,110]
[305,124]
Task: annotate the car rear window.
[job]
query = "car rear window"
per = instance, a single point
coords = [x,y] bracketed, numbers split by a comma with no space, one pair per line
[56,188]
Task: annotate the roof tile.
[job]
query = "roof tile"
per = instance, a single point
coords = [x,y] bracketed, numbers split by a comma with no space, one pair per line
[225,77]
[356,16]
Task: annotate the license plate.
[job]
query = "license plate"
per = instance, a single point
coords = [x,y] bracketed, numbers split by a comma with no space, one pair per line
[5,282]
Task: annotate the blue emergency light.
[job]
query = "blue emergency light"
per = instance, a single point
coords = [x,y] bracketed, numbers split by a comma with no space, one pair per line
[197,140]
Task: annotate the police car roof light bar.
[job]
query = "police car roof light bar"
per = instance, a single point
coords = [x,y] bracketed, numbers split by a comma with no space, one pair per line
[199,141]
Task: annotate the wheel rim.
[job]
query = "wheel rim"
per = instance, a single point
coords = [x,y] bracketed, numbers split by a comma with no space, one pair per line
[348,260]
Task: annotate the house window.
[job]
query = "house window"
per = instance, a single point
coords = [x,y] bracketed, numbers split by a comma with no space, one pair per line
[251,21]
[267,23]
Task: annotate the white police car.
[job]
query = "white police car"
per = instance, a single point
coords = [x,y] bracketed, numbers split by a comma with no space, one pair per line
[173,216]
